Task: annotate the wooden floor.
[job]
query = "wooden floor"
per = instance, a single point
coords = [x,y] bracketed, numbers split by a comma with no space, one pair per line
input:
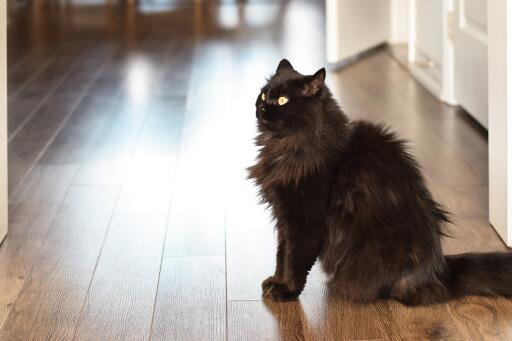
[130,215]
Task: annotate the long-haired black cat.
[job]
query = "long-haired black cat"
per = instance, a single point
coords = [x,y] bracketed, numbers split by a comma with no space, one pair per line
[349,193]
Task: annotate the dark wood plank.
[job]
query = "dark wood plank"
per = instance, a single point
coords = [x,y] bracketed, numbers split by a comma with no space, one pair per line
[77,137]
[268,320]
[105,162]
[483,318]
[66,74]
[27,71]
[418,323]
[27,147]
[464,201]
[191,302]
[32,209]
[50,76]
[119,304]
[33,138]
[20,52]
[305,320]
[52,296]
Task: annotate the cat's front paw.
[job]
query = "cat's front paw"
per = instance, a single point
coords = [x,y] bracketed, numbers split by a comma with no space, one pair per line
[280,292]
[266,284]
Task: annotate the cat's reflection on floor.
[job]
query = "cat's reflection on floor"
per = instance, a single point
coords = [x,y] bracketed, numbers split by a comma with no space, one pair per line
[330,318]
[333,317]
[291,320]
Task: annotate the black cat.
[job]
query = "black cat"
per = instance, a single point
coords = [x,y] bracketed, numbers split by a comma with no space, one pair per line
[349,193]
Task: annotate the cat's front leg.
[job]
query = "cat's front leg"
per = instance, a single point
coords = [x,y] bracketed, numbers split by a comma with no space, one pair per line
[299,256]
[278,274]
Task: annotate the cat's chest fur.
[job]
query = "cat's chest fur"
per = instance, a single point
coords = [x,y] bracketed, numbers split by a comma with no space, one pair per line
[292,178]
[281,163]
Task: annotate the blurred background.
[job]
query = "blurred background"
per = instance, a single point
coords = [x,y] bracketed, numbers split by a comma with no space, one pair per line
[131,123]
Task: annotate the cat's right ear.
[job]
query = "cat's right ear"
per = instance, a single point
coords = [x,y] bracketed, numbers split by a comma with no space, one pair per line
[313,84]
[284,65]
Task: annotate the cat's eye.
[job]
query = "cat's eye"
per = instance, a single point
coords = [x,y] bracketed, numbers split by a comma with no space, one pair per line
[263,97]
[282,100]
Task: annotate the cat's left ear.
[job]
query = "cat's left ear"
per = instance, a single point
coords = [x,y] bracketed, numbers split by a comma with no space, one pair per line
[284,65]
[313,84]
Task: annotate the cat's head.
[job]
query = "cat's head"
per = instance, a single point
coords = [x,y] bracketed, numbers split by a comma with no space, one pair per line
[290,101]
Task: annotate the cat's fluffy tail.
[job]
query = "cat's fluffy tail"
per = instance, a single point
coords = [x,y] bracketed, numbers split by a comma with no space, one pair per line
[482,274]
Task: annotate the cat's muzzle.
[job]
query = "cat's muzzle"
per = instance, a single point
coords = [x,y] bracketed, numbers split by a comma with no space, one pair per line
[260,112]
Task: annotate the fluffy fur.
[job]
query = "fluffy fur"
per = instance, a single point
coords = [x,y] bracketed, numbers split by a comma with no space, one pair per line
[350,194]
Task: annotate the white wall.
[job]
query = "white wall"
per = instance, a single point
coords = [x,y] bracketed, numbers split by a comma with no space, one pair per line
[399,21]
[354,26]
[3,119]
[500,114]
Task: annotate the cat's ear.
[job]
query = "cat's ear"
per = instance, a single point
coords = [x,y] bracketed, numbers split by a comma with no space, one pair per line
[284,64]
[313,84]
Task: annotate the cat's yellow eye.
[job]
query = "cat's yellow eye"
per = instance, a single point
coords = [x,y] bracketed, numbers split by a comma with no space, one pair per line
[263,96]
[282,100]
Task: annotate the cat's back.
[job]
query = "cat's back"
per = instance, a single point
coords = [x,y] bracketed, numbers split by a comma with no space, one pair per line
[373,137]
[380,213]
[376,158]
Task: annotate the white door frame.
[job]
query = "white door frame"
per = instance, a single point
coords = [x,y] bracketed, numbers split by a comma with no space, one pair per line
[438,79]
[500,117]
[3,121]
